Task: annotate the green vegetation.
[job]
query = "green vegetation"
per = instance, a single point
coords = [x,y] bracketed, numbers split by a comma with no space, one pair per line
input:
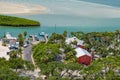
[59,64]
[57,61]
[104,69]
[20,39]
[3,44]
[8,70]
[104,43]
[17,22]
[25,34]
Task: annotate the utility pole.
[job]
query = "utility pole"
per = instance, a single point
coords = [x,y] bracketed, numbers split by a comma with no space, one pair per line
[55,28]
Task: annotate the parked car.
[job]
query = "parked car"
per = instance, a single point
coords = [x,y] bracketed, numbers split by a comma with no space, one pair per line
[25,45]
[13,47]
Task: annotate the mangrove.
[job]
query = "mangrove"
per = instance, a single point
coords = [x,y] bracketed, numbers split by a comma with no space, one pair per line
[17,22]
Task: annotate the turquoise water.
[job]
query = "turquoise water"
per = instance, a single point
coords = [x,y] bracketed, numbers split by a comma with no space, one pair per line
[51,29]
[115,3]
[71,15]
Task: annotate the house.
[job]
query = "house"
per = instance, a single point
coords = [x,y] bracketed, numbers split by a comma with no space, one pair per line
[9,39]
[81,46]
[72,39]
[84,57]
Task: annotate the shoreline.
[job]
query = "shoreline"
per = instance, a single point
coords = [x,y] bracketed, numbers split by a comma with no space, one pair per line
[14,8]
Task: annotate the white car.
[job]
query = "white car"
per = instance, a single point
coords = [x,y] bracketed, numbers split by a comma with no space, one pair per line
[25,45]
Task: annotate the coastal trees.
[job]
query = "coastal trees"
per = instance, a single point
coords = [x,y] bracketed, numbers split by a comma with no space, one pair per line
[7,72]
[15,21]
[104,69]
[103,42]
[65,34]
[70,54]
[19,52]
[45,53]
[79,34]
[59,70]
[25,34]
[117,35]
[16,63]
[13,54]
[58,61]
[28,65]
[60,38]
[49,59]
[16,53]
[20,39]
[3,44]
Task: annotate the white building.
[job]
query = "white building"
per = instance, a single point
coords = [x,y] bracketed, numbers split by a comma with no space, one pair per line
[9,39]
[81,52]
[8,36]
[72,39]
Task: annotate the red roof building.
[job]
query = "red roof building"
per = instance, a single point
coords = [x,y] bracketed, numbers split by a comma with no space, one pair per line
[84,57]
[81,46]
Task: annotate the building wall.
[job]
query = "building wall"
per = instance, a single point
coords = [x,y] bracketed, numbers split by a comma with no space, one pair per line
[84,60]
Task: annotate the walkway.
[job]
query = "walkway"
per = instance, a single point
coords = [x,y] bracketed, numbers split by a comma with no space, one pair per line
[26,53]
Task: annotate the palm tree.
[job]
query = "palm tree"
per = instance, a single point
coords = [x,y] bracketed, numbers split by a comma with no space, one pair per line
[65,33]
[17,63]
[20,39]
[13,54]
[117,33]
[20,52]
[25,34]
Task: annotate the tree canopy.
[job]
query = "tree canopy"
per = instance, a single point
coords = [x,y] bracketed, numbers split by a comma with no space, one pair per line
[16,22]
[104,68]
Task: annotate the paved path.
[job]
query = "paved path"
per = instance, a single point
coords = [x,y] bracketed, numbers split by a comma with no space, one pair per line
[26,53]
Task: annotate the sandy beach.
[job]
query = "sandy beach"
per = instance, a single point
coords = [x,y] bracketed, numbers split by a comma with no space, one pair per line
[3,51]
[13,8]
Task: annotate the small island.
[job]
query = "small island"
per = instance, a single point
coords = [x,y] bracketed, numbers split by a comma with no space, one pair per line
[17,22]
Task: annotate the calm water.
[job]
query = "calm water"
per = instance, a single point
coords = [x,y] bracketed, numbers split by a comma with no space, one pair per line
[71,15]
[115,3]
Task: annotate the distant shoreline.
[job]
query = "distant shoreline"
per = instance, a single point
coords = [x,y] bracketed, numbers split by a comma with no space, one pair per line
[13,8]
[17,22]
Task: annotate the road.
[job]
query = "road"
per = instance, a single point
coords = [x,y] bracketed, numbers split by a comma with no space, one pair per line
[26,53]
